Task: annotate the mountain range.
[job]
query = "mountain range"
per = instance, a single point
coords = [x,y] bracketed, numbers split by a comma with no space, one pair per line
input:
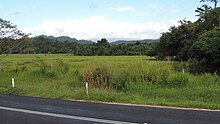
[66,38]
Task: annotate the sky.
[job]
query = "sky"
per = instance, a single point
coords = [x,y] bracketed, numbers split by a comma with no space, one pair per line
[96,19]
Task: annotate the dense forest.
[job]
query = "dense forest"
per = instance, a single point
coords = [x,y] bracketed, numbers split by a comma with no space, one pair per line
[196,42]
[43,44]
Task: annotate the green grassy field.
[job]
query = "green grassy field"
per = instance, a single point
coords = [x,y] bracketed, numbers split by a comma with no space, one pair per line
[126,79]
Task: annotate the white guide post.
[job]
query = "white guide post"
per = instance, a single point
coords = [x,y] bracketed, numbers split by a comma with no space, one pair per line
[13,82]
[87,88]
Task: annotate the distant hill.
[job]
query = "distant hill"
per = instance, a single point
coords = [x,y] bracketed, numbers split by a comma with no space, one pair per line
[134,41]
[65,38]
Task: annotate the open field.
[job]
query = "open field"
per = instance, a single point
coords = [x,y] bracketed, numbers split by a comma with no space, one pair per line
[127,79]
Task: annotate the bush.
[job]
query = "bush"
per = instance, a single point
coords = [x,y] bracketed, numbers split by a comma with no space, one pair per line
[198,67]
[207,49]
[98,78]
[166,78]
[44,70]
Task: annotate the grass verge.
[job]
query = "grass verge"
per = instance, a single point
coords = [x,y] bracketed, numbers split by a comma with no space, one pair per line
[125,79]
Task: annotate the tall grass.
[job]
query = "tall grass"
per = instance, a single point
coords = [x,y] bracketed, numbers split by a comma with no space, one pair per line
[130,79]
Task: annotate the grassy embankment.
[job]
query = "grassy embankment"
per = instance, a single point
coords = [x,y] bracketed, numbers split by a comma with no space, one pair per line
[127,79]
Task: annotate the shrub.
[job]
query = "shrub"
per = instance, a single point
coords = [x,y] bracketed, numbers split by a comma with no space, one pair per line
[197,67]
[44,70]
[98,78]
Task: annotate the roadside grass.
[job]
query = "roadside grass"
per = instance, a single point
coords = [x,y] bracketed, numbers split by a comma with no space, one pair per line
[125,79]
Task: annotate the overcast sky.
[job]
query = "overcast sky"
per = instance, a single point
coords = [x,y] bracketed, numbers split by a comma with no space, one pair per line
[95,19]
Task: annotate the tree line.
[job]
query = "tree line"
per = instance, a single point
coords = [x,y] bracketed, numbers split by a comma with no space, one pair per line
[101,48]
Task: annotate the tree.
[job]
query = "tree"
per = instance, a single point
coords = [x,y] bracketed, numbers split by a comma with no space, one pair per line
[213,1]
[8,30]
[202,10]
[208,21]
[172,42]
[8,35]
[207,49]
[103,41]
[103,47]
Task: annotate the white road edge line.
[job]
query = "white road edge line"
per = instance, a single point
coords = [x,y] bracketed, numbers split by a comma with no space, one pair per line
[64,116]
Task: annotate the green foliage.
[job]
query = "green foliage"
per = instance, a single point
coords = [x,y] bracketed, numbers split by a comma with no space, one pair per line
[8,34]
[196,42]
[162,78]
[102,47]
[62,67]
[208,21]
[102,78]
[51,70]
[44,69]
[202,10]
[207,49]
[76,79]
[172,43]
[178,80]
[20,69]
[180,66]
[121,82]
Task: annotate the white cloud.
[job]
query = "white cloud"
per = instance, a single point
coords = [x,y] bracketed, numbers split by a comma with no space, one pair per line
[94,28]
[123,9]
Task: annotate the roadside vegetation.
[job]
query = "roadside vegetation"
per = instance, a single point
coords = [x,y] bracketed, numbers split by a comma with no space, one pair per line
[126,79]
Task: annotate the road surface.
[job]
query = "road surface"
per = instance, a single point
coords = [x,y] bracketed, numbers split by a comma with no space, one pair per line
[30,110]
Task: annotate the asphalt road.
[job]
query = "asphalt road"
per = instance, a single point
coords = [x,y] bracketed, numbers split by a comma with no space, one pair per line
[29,110]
